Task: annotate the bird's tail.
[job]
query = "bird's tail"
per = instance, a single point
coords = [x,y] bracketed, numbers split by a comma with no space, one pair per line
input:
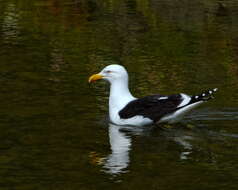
[204,96]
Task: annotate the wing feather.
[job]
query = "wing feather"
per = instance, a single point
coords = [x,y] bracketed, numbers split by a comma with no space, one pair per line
[153,107]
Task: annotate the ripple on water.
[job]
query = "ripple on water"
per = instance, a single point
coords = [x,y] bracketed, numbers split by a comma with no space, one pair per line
[210,114]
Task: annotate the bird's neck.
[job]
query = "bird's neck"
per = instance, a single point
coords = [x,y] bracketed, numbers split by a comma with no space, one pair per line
[119,96]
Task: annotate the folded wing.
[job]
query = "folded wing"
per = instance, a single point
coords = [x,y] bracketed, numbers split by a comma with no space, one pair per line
[155,106]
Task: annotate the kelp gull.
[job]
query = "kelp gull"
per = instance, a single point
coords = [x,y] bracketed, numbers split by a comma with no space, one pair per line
[125,109]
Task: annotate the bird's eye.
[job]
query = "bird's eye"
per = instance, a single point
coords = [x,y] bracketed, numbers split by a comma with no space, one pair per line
[108,71]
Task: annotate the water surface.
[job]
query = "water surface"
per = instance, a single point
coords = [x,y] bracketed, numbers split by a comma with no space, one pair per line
[54,128]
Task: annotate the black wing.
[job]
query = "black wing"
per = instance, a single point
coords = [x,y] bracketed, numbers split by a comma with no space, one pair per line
[153,107]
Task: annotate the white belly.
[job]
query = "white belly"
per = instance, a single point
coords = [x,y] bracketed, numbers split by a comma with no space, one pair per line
[135,121]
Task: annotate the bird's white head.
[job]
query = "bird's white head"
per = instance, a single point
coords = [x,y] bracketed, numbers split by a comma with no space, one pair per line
[119,92]
[111,73]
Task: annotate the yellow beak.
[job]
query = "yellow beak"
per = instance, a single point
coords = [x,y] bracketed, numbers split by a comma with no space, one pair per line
[95,77]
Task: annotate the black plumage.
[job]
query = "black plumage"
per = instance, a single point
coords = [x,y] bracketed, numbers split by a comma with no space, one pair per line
[155,107]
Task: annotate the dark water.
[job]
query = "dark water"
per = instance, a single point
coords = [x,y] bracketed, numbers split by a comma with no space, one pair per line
[54,128]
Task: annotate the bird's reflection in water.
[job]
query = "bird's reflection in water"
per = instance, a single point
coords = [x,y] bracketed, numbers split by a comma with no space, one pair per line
[184,141]
[182,135]
[120,139]
[120,142]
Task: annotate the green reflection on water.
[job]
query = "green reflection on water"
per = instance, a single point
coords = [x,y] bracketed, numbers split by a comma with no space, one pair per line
[54,134]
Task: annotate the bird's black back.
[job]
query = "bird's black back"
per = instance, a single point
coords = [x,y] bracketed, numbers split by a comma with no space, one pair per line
[153,107]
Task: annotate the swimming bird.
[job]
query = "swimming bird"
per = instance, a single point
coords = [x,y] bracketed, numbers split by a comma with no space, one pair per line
[125,109]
